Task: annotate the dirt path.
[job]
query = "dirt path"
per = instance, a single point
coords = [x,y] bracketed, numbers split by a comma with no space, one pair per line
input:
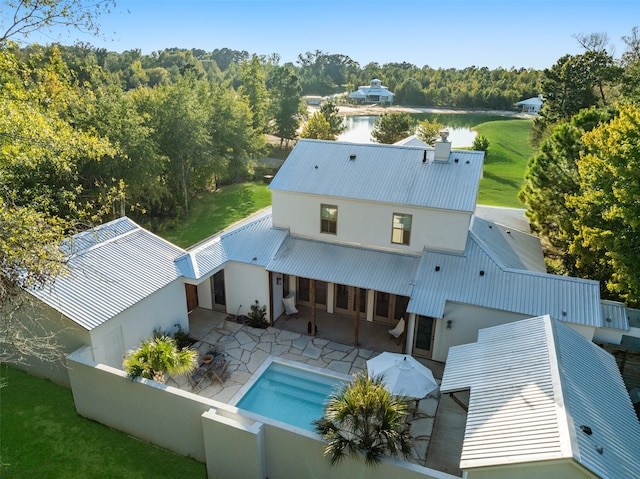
[355,110]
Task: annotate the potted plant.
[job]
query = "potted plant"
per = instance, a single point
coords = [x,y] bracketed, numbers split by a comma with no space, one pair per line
[158,357]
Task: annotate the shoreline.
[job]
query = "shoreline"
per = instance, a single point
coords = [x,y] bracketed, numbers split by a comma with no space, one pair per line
[375,110]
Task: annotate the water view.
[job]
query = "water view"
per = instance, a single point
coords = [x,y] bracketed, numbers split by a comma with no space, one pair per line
[459,125]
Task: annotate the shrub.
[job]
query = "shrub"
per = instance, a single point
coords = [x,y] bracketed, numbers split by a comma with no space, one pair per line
[258,316]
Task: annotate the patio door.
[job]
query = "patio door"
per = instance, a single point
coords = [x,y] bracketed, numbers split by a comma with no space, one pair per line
[389,308]
[345,300]
[304,293]
[423,339]
[218,292]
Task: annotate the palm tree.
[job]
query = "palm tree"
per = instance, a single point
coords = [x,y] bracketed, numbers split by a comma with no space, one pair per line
[158,356]
[364,417]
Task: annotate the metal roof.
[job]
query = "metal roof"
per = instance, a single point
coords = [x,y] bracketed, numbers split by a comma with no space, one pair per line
[253,242]
[513,249]
[113,267]
[355,266]
[533,384]
[614,315]
[389,174]
[477,277]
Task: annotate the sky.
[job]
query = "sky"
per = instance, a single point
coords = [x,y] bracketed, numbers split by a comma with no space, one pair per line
[440,34]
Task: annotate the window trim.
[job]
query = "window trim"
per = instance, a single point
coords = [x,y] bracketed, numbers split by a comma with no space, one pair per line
[328,221]
[404,232]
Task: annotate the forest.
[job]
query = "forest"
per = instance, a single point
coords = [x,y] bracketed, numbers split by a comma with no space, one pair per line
[87,135]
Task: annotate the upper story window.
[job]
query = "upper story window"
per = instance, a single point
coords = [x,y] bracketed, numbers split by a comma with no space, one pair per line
[401,229]
[329,219]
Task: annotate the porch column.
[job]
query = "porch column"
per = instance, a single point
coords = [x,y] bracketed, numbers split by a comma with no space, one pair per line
[331,289]
[312,299]
[410,330]
[270,298]
[357,330]
[371,297]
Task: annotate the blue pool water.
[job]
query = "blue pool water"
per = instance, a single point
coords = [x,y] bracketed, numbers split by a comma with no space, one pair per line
[290,394]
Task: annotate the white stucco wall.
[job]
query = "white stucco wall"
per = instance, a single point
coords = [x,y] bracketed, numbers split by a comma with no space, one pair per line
[369,223]
[163,310]
[42,321]
[244,284]
[466,321]
[604,335]
[204,294]
[586,331]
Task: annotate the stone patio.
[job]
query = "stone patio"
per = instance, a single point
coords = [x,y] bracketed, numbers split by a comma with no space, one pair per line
[247,348]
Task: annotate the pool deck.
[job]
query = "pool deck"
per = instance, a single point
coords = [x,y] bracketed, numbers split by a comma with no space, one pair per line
[247,348]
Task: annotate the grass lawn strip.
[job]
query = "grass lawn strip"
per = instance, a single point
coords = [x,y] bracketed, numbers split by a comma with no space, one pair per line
[42,436]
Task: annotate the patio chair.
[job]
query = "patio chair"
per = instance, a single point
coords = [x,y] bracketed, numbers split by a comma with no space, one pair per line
[289,303]
[397,332]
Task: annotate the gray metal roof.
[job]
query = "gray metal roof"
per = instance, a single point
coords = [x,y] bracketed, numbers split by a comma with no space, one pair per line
[477,277]
[253,242]
[513,249]
[364,268]
[113,267]
[383,173]
[614,315]
[533,384]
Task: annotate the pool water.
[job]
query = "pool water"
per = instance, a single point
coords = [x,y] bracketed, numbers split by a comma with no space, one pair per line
[290,394]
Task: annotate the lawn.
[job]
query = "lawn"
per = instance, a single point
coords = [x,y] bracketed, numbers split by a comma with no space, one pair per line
[506,161]
[42,436]
[213,211]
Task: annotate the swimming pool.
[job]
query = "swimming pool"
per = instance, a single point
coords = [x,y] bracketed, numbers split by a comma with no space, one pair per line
[289,392]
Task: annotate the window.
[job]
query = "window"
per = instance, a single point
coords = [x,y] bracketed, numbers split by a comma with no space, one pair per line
[329,219]
[401,229]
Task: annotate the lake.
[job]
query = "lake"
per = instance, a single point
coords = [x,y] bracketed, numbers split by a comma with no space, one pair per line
[459,125]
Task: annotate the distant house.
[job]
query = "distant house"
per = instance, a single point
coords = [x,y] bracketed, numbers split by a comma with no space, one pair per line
[313,100]
[531,105]
[373,93]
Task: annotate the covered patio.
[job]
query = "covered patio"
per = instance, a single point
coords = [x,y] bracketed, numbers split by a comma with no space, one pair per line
[246,348]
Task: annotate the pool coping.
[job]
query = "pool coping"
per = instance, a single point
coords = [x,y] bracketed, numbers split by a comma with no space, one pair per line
[235,399]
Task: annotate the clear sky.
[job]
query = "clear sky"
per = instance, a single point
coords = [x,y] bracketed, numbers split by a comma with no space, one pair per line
[445,33]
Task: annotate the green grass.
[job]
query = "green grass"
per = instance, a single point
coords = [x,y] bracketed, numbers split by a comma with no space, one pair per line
[211,212]
[506,161]
[42,436]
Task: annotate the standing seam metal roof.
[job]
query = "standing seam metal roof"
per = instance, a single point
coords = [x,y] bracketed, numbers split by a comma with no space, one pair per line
[478,278]
[113,267]
[355,266]
[533,384]
[382,173]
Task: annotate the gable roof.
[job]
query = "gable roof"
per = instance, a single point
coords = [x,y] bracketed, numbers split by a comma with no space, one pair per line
[254,242]
[382,173]
[480,277]
[111,268]
[533,384]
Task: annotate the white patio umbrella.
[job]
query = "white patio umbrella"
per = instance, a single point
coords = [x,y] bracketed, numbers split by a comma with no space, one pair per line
[402,374]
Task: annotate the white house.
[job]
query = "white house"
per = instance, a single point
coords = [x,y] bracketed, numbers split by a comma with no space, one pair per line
[543,403]
[531,105]
[122,285]
[375,92]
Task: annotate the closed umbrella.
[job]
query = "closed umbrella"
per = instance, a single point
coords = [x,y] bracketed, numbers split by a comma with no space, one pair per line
[402,374]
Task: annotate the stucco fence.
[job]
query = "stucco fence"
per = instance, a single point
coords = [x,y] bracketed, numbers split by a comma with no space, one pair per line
[233,443]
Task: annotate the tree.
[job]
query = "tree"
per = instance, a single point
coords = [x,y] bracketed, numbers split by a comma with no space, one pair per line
[330,112]
[254,88]
[428,131]
[551,178]
[481,143]
[29,16]
[157,357]
[42,196]
[364,417]
[286,102]
[392,127]
[607,218]
[317,128]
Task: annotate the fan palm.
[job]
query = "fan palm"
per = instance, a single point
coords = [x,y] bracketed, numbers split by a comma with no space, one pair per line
[364,417]
[158,356]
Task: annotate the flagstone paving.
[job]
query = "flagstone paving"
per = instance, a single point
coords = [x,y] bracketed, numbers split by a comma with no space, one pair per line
[246,349]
